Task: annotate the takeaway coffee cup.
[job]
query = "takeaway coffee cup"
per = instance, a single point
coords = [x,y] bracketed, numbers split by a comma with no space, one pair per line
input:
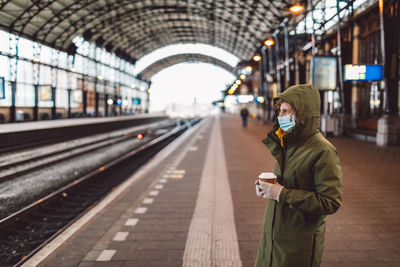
[268,177]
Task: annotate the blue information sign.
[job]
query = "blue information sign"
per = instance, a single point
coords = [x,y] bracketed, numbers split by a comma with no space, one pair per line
[136,101]
[363,72]
[2,88]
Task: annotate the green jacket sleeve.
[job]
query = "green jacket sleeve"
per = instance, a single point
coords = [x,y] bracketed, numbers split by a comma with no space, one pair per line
[327,195]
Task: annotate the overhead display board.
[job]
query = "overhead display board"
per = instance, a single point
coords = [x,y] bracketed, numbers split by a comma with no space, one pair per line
[363,72]
[324,72]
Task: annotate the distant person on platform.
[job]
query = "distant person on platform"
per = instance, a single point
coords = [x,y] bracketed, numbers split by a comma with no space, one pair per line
[308,187]
[244,112]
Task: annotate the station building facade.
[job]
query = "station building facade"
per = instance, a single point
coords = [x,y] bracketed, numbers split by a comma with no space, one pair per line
[361,109]
[38,82]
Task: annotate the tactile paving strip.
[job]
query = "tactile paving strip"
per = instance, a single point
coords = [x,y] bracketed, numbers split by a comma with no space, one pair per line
[212,239]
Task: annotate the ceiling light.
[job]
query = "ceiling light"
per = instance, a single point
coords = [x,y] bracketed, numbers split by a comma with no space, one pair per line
[269,42]
[296,8]
[257,58]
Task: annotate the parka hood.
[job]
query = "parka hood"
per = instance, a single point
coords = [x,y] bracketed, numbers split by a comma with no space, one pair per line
[305,99]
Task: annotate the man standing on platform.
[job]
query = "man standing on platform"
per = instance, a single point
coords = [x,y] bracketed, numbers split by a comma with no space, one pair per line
[308,186]
[244,113]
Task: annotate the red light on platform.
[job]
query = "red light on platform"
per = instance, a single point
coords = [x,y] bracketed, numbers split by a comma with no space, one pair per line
[139,136]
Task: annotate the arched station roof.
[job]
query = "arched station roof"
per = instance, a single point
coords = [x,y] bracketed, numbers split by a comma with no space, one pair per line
[157,66]
[132,29]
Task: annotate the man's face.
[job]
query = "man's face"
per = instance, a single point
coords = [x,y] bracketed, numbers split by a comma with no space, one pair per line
[286,109]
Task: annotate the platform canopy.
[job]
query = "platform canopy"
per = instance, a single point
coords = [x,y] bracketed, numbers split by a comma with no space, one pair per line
[157,66]
[132,29]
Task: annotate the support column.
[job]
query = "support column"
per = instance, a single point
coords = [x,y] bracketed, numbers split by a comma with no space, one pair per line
[106,105]
[389,124]
[84,102]
[36,103]
[12,107]
[270,68]
[263,71]
[287,69]
[13,46]
[69,103]
[339,118]
[296,58]
[96,104]
[36,78]
[147,103]
[354,84]
[54,107]
[339,58]
[278,63]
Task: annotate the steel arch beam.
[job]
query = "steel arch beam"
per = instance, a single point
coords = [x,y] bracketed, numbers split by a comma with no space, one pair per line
[234,25]
[166,62]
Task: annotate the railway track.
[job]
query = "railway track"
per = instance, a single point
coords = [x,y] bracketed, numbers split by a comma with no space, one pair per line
[24,232]
[16,164]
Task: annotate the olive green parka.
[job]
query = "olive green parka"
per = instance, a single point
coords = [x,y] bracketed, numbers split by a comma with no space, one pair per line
[309,169]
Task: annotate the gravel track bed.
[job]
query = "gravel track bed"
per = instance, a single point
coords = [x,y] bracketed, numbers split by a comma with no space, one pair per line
[26,189]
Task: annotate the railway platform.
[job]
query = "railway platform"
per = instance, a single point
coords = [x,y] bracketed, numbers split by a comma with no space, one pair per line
[194,204]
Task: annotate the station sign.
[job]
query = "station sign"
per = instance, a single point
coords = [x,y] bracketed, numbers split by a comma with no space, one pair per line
[2,88]
[324,72]
[363,72]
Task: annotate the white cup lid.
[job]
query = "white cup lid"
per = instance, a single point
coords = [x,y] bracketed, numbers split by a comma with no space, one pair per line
[267,175]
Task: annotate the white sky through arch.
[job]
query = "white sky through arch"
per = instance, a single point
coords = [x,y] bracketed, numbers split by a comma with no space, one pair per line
[177,87]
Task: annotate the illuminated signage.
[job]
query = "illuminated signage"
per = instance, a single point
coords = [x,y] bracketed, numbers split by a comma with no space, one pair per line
[244,99]
[363,72]
[324,72]
[136,101]
[77,96]
[2,88]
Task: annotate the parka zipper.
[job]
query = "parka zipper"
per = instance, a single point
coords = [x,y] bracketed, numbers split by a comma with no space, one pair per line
[313,250]
[273,219]
[296,184]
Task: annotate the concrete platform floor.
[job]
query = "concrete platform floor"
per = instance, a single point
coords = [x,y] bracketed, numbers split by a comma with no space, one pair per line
[155,222]
[366,229]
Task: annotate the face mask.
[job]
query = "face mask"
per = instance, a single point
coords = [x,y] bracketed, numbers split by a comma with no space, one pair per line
[286,122]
